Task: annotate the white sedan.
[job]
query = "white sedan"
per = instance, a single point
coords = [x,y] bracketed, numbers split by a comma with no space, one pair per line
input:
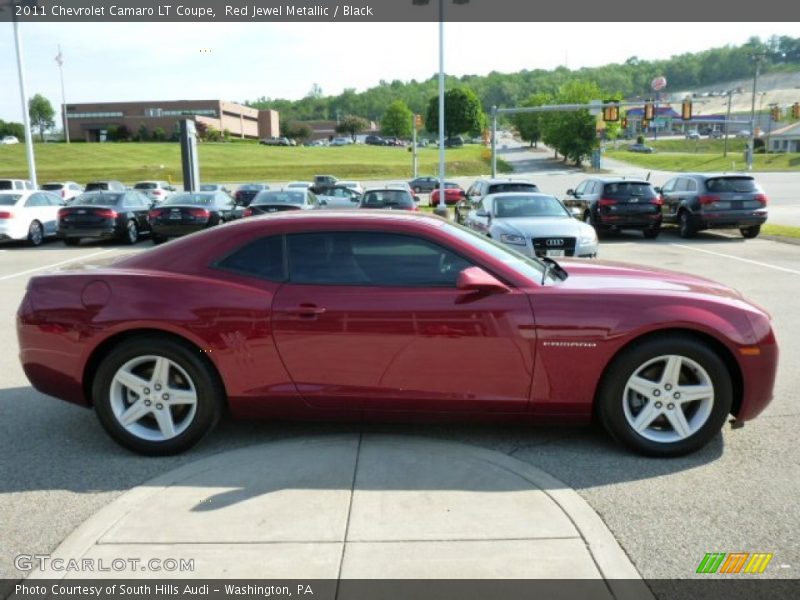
[9,139]
[28,215]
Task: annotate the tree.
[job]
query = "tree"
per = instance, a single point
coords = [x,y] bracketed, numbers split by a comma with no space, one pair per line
[41,113]
[352,125]
[462,113]
[201,130]
[397,119]
[529,125]
[298,131]
[573,134]
[12,128]
[159,135]
[143,134]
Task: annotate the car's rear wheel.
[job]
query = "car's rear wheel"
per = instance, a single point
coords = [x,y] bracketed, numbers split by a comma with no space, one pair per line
[35,234]
[665,397]
[131,232]
[750,232]
[685,227]
[651,233]
[156,396]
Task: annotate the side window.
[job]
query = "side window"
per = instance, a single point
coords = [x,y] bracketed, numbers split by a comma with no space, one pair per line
[360,258]
[312,199]
[54,200]
[262,258]
[581,189]
[682,184]
[691,185]
[18,185]
[669,186]
[36,200]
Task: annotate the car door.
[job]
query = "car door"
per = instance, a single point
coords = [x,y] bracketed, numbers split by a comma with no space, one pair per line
[669,208]
[50,214]
[356,334]
[480,219]
[141,209]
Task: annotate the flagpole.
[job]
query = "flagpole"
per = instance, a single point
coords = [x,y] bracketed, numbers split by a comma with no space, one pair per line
[60,61]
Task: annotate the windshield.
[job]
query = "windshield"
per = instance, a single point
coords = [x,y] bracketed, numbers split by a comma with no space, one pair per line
[529,268]
[379,198]
[97,200]
[190,198]
[251,187]
[145,186]
[9,199]
[513,207]
[279,198]
[732,184]
[52,187]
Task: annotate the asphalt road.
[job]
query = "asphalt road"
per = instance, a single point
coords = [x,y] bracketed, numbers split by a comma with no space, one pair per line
[738,494]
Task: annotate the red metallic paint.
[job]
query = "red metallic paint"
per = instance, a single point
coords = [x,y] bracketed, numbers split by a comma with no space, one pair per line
[533,352]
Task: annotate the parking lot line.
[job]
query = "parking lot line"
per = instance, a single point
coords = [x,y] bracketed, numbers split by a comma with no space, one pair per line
[50,266]
[739,258]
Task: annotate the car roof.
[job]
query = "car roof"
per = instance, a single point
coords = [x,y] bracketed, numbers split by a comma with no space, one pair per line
[491,180]
[715,175]
[620,180]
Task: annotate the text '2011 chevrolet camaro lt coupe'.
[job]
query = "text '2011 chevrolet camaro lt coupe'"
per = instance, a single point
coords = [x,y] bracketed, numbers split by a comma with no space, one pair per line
[367,315]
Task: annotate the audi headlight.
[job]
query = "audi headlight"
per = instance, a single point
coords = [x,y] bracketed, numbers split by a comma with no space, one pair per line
[589,238]
[510,238]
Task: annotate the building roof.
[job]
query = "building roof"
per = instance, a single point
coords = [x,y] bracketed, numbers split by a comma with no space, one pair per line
[662,111]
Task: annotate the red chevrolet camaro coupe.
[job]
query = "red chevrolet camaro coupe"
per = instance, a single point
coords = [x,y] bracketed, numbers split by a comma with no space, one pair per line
[367,315]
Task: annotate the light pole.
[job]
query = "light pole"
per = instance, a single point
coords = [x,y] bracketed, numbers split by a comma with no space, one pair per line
[727,118]
[441,208]
[757,57]
[26,119]
[60,61]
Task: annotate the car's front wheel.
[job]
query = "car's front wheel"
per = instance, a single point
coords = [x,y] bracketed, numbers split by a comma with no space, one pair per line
[750,232]
[685,227]
[156,396]
[665,397]
[35,234]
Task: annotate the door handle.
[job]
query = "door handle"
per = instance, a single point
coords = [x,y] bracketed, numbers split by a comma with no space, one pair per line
[307,310]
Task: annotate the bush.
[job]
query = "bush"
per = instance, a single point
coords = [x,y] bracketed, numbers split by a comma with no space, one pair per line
[142,134]
[159,135]
[640,139]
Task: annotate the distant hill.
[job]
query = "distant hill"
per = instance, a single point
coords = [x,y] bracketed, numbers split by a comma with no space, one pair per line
[691,72]
[781,88]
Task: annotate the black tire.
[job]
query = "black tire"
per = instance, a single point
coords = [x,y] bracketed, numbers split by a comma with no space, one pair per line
[209,389]
[72,241]
[158,239]
[610,396]
[35,234]
[685,227]
[131,234]
[651,233]
[750,232]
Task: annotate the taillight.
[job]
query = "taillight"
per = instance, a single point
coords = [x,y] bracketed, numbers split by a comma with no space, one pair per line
[658,200]
[248,212]
[154,213]
[606,202]
[6,215]
[157,192]
[63,212]
[199,212]
[762,198]
[708,199]
[106,213]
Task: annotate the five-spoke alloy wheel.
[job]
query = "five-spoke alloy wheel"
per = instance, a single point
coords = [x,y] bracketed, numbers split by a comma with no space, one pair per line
[156,396]
[666,396]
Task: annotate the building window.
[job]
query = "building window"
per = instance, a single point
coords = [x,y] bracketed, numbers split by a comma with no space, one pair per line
[94,115]
[203,112]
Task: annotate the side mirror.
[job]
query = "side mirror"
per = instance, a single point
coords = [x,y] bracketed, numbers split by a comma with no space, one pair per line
[416,198]
[570,192]
[355,198]
[481,213]
[323,202]
[657,189]
[475,279]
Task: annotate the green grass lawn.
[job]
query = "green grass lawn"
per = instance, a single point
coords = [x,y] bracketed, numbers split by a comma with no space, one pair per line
[677,161]
[220,162]
[704,145]
[781,230]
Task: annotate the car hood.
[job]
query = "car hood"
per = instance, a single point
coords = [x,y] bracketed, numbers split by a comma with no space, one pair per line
[541,226]
[608,275]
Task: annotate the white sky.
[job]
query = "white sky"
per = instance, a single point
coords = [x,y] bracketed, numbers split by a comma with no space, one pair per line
[242,61]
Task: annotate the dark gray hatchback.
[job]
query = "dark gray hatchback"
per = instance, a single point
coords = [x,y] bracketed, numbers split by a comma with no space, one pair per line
[699,201]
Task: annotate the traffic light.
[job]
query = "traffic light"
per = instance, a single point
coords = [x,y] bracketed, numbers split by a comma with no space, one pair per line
[775,113]
[686,110]
[796,110]
[645,123]
[611,113]
[417,121]
[649,111]
[624,122]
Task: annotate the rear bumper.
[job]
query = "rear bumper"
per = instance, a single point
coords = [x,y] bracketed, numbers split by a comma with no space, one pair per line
[732,218]
[11,231]
[635,221]
[94,232]
[175,230]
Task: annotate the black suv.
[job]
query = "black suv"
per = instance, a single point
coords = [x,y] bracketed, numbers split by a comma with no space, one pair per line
[613,204]
[374,140]
[705,201]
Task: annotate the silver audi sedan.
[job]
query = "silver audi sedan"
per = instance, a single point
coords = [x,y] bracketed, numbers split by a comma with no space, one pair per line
[533,224]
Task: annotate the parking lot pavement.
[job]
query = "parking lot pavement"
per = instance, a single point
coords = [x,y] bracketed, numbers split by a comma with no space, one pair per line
[738,494]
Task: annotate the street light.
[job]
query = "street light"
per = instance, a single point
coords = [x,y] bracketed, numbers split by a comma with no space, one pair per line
[441,208]
[757,57]
[26,119]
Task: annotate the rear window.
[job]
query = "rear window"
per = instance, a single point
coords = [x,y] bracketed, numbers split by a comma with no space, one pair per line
[96,186]
[732,184]
[279,198]
[499,188]
[628,189]
[196,198]
[251,187]
[145,186]
[382,198]
[52,187]
[9,199]
[97,200]
[6,185]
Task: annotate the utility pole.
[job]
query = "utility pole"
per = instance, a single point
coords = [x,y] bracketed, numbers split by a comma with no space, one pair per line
[757,57]
[414,145]
[60,61]
[727,118]
[26,118]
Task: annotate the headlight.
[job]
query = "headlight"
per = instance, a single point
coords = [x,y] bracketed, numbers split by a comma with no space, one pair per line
[510,238]
[589,238]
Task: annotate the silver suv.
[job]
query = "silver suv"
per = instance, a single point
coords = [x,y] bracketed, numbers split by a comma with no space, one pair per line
[483,187]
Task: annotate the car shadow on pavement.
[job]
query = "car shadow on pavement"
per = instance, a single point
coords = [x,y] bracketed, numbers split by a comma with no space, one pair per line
[47,444]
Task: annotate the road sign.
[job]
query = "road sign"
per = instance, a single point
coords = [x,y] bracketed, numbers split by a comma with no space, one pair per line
[658,83]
